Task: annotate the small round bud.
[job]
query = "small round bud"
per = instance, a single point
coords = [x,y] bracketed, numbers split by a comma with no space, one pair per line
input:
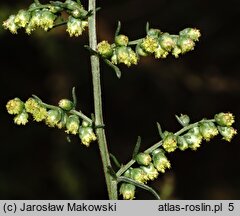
[22,18]
[53,117]
[15,106]
[75,27]
[193,138]
[121,40]
[227,132]
[182,143]
[66,104]
[154,33]
[128,173]
[72,124]
[224,119]
[87,135]
[192,33]
[105,49]
[183,120]
[143,158]
[22,118]
[85,124]
[161,162]
[55,9]
[208,130]
[156,151]
[127,191]
[167,42]
[185,43]
[170,142]
[151,171]
[11,25]
[149,44]
[71,5]
[138,175]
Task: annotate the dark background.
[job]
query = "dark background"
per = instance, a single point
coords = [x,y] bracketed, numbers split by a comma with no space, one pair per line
[37,162]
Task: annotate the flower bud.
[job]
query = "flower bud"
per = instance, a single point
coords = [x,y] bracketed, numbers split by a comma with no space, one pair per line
[35,20]
[75,27]
[143,158]
[121,40]
[72,124]
[85,124]
[105,49]
[127,191]
[38,112]
[185,43]
[192,33]
[47,19]
[166,42]
[160,52]
[138,175]
[11,25]
[22,18]
[53,117]
[182,143]
[193,138]
[208,130]
[176,49]
[124,55]
[66,104]
[71,5]
[227,132]
[224,119]
[156,151]
[15,106]
[87,135]
[170,142]
[62,123]
[22,118]
[149,44]
[151,171]
[140,51]
[55,9]
[183,120]
[161,162]
[154,33]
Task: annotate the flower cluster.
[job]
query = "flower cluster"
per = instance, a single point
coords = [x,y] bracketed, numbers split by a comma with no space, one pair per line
[151,164]
[161,44]
[59,117]
[156,42]
[46,16]
[203,130]
[118,52]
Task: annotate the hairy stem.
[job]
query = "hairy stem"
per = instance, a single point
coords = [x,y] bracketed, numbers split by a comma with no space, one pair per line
[110,181]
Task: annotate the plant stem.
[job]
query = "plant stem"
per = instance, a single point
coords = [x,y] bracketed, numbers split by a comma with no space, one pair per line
[158,144]
[110,181]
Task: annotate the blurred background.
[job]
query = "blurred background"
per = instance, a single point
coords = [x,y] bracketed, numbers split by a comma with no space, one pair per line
[37,162]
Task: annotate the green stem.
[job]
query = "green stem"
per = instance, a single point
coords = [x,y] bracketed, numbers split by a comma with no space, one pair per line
[158,144]
[110,181]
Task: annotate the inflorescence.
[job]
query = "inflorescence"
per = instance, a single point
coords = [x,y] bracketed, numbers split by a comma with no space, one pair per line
[151,163]
[156,43]
[48,16]
[63,116]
